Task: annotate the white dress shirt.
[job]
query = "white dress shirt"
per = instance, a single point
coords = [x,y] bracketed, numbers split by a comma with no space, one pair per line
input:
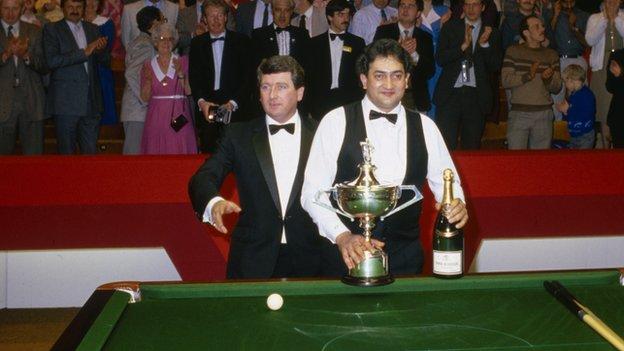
[258,15]
[285,155]
[367,19]
[308,19]
[408,33]
[335,49]
[283,42]
[389,156]
[81,38]
[217,57]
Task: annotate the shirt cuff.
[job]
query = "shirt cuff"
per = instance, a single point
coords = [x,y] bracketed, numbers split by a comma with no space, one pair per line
[199,102]
[234,104]
[415,56]
[485,46]
[207,218]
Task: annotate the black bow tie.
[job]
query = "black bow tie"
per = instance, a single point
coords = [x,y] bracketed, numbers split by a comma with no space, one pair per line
[333,36]
[391,117]
[212,40]
[278,30]
[289,127]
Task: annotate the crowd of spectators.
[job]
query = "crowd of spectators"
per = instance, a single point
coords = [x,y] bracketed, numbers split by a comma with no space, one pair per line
[186,63]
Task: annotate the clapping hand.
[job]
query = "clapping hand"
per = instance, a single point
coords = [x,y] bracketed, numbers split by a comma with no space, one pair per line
[548,73]
[563,107]
[409,44]
[533,69]
[485,36]
[467,39]
[615,68]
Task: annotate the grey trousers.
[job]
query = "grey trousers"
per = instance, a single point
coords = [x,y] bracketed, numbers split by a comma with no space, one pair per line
[533,130]
[133,133]
[30,132]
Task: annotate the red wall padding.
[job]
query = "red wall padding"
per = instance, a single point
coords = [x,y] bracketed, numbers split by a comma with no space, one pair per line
[141,201]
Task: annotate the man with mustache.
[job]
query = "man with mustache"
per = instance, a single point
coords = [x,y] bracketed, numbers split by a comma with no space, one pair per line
[72,47]
[332,77]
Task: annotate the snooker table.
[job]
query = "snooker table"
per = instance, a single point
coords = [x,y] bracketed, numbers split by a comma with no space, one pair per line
[475,312]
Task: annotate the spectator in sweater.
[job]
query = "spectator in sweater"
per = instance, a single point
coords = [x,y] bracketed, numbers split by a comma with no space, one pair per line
[532,73]
[579,109]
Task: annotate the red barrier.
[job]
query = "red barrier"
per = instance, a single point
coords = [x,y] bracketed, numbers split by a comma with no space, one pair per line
[58,202]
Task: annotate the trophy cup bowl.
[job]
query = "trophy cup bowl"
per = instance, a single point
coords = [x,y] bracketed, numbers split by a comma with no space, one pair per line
[365,199]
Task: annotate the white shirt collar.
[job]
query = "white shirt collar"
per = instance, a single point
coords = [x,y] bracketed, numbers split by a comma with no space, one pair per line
[74,25]
[156,68]
[368,105]
[402,29]
[308,12]
[331,31]
[220,35]
[296,119]
[476,23]
[99,20]
[5,26]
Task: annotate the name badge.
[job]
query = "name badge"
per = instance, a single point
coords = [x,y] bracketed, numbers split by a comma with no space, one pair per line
[347,48]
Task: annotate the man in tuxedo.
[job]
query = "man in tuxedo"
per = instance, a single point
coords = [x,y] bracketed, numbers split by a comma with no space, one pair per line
[129,27]
[468,52]
[253,14]
[191,24]
[218,71]
[21,89]
[419,45]
[274,236]
[280,38]
[331,76]
[311,18]
[72,47]
[408,149]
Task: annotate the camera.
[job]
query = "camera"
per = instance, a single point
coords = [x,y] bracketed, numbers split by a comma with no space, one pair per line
[219,114]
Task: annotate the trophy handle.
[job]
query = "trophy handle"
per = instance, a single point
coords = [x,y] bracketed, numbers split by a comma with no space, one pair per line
[417,197]
[317,200]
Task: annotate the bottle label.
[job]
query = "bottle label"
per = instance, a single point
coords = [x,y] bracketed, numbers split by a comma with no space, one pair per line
[448,262]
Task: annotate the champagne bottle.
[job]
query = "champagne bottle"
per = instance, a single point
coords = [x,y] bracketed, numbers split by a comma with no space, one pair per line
[448,241]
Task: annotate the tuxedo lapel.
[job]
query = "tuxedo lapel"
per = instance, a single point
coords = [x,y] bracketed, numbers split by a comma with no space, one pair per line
[262,149]
[326,68]
[307,134]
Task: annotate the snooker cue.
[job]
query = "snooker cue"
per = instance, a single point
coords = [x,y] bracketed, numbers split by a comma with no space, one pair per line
[583,313]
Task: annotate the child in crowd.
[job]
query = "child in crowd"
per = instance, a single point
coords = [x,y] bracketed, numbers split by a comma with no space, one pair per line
[579,109]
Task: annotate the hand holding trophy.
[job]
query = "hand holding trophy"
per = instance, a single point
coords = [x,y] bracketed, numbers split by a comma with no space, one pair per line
[365,199]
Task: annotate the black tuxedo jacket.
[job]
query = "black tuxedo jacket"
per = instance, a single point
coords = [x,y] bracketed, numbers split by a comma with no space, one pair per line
[449,56]
[264,42]
[423,70]
[245,151]
[234,82]
[319,74]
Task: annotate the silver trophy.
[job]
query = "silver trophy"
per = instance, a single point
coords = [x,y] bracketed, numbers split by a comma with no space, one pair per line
[365,199]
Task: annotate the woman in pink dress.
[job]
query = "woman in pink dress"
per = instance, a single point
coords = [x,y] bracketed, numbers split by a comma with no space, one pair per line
[165,86]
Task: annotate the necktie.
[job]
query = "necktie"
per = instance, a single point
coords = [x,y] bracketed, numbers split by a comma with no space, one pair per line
[289,127]
[405,33]
[302,21]
[333,36]
[384,17]
[265,15]
[10,32]
[212,40]
[391,117]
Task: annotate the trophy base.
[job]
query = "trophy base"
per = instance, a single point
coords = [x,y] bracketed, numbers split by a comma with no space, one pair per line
[371,281]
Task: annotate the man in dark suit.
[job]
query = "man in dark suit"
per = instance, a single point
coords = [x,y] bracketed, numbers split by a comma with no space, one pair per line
[253,14]
[218,71]
[419,45]
[21,89]
[468,52]
[274,236]
[331,76]
[280,37]
[72,47]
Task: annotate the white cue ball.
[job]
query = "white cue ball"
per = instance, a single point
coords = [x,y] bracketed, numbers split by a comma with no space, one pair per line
[275,301]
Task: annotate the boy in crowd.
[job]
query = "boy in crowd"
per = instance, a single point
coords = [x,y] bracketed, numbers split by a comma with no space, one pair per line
[579,109]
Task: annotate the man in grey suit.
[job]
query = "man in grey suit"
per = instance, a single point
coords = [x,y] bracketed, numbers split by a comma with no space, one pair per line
[311,18]
[253,14]
[129,28]
[21,89]
[72,47]
[133,109]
